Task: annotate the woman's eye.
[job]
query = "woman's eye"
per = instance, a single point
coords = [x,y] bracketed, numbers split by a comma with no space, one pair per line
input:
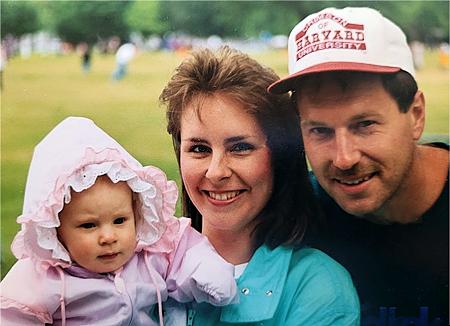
[87,225]
[242,147]
[199,149]
[119,220]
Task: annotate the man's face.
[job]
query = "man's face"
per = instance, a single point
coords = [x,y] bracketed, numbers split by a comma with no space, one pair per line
[359,145]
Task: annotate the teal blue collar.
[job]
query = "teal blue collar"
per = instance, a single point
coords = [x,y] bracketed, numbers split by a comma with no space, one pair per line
[260,286]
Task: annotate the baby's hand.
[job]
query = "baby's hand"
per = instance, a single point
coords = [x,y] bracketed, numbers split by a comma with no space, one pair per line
[199,273]
[216,280]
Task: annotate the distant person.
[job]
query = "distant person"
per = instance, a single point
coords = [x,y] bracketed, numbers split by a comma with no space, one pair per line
[386,199]
[418,53]
[246,187]
[86,53]
[443,55]
[125,53]
[99,244]
[3,61]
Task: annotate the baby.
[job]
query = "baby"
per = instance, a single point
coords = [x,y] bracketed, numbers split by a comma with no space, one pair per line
[99,243]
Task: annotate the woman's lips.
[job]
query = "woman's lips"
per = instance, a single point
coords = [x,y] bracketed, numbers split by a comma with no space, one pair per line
[223,197]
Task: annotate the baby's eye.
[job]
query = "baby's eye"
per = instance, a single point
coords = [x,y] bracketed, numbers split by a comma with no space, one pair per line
[119,220]
[87,225]
[242,147]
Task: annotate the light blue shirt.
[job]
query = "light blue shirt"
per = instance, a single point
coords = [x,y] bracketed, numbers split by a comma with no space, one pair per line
[286,287]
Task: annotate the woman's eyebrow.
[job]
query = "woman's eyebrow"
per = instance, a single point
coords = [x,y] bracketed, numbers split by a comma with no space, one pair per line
[235,139]
[195,140]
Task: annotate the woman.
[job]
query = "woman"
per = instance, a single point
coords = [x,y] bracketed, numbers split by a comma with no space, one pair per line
[245,186]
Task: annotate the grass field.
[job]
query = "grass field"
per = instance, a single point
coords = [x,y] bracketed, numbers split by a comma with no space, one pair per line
[39,92]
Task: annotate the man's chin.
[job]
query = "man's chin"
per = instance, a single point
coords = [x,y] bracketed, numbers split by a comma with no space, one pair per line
[365,211]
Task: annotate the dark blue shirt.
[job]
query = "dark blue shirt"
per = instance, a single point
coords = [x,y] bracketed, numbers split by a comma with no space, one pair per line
[400,271]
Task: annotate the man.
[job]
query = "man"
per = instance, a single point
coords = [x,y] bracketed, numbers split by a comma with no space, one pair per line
[385,197]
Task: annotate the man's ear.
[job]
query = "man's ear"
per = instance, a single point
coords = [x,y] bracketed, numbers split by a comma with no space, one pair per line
[417,111]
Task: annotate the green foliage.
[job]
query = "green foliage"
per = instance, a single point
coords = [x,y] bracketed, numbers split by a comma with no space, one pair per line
[199,18]
[235,18]
[144,16]
[426,21]
[18,18]
[431,23]
[89,21]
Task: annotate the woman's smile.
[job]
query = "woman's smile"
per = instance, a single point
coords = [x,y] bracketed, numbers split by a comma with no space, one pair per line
[223,198]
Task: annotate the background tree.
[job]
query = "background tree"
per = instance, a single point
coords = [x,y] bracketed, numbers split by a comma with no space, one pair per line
[89,21]
[430,23]
[427,21]
[199,18]
[18,18]
[145,17]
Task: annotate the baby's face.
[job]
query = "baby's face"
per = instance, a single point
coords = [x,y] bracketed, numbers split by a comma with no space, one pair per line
[98,226]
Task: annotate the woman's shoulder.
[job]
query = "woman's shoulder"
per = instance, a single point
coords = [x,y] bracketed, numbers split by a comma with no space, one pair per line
[325,286]
[310,258]
[310,255]
[321,271]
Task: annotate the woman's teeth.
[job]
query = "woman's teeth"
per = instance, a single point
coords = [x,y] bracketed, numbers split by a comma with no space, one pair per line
[224,195]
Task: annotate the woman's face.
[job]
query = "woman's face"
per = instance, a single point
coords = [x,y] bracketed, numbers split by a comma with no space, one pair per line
[225,164]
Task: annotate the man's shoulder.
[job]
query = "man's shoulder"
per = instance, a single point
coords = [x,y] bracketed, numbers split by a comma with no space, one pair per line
[437,140]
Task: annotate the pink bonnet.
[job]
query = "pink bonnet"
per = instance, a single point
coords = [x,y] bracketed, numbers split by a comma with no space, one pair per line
[72,156]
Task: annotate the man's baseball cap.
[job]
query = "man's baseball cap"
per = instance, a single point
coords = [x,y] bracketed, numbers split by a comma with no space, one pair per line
[355,39]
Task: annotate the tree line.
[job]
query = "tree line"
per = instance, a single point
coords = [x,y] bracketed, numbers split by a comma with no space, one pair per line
[94,21]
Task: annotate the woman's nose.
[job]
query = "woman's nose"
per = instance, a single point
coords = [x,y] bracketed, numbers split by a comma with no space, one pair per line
[218,168]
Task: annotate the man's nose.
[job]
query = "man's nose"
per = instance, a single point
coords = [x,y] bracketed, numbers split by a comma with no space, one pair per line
[346,152]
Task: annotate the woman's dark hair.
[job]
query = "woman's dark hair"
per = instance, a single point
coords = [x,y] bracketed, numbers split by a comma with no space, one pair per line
[228,72]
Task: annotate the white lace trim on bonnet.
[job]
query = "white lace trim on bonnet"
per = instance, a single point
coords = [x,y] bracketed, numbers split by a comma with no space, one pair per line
[38,237]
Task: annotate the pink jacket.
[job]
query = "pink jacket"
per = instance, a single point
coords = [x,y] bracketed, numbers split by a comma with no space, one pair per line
[171,259]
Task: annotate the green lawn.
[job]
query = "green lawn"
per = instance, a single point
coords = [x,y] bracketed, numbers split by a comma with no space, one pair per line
[40,91]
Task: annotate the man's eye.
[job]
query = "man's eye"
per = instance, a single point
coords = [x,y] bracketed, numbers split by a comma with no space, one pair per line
[119,220]
[199,149]
[87,225]
[320,131]
[365,123]
[242,147]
